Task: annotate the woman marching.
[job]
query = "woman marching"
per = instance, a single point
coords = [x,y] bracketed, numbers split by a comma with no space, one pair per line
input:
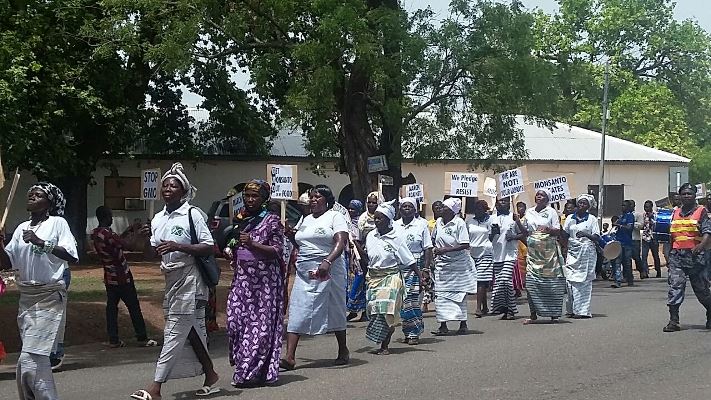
[417,237]
[256,299]
[545,282]
[479,227]
[583,233]
[356,295]
[184,353]
[506,233]
[318,298]
[40,249]
[388,256]
[452,272]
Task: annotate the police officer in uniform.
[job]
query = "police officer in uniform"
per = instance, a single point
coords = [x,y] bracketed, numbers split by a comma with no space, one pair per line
[690,233]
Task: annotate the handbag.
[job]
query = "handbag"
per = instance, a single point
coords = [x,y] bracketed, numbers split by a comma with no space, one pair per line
[207,265]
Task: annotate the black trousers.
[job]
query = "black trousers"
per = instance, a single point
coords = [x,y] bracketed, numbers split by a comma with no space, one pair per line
[127,294]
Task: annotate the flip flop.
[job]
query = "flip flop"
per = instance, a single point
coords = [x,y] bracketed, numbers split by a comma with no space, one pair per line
[149,343]
[287,366]
[207,390]
[382,352]
[142,395]
[120,344]
[529,321]
[440,333]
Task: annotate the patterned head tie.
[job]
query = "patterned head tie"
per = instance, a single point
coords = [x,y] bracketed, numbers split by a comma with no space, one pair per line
[57,202]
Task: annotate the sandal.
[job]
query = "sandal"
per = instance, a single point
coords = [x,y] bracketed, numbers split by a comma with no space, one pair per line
[507,317]
[478,314]
[285,365]
[382,352]
[462,331]
[440,332]
[142,395]
[120,344]
[413,341]
[149,343]
[206,391]
[529,321]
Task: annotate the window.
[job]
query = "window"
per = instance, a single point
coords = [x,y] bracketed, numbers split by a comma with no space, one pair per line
[123,193]
[614,196]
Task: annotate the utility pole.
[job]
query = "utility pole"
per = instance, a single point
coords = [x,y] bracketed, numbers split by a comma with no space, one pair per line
[601,188]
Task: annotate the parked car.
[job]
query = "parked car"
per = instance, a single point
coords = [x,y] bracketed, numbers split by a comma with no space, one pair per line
[218,219]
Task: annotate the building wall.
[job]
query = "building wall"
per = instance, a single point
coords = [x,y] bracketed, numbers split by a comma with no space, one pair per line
[213,178]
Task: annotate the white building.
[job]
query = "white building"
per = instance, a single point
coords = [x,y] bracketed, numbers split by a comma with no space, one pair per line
[632,171]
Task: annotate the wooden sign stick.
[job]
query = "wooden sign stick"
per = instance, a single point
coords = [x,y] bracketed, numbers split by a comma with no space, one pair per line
[10,197]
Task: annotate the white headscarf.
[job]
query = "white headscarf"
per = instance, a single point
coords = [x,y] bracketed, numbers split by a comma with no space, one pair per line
[547,193]
[304,199]
[410,200]
[453,204]
[387,209]
[176,171]
[590,198]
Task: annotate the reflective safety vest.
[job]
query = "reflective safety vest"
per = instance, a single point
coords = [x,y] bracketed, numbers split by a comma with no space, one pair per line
[684,231]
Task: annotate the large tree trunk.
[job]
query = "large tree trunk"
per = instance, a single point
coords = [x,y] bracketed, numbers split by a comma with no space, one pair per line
[75,191]
[358,138]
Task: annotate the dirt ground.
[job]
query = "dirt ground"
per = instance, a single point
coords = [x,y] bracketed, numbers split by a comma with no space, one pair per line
[86,317]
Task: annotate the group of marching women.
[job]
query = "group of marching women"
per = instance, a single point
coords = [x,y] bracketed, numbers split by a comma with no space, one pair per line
[399,262]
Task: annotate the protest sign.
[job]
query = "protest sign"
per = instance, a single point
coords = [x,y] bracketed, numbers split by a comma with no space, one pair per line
[512,182]
[559,186]
[416,191]
[284,181]
[462,184]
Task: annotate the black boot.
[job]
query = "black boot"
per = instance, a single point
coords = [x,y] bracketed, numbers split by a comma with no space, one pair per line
[708,317]
[673,325]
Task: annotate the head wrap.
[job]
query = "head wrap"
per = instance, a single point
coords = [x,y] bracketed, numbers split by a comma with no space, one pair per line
[57,202]
[410,200]
[260,186]
[387,209]
[356,205]
[590,198]
[377,195]
[304,199]
[453,204]
[547,193]
[176,171]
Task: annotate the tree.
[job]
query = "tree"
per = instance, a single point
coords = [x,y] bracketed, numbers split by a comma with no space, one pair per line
[364,77]
[68,100]
[661,70]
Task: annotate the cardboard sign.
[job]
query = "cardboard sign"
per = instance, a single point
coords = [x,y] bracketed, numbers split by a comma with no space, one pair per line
[700,190]
[490,187]
[377,163]
[461,184]
[386,180]
[416,191]
[559,187]
[284,181]
[512,182]
[150,182]
[237,202]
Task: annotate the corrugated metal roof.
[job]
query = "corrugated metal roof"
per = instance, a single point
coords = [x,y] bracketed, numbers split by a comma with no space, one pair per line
[562,143]
[571,143]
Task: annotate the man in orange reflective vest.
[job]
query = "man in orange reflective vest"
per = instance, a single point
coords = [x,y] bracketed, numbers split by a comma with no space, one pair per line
[690,233]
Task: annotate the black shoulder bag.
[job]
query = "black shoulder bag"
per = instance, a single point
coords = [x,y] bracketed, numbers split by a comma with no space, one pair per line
[207,265]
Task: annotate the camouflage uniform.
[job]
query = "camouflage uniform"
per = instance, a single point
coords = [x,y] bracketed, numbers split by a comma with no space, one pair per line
[685,266]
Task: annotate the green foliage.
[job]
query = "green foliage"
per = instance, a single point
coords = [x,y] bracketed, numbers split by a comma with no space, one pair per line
[660,86]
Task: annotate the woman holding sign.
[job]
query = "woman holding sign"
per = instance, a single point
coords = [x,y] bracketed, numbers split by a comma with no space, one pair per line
[544,265]
[583,233]
[480,231]
[256,299]
[417,236]
[452,272]
[318,298]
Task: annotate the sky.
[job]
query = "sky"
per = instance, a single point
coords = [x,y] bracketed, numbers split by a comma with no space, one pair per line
[697,10]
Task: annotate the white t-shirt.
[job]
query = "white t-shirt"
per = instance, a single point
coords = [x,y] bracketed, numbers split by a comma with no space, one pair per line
[572,227]
[388,251]
[450,234]
[479,243]
[546,217]
[315,235]
[505,250]
[416,233]
[34,265]
[175,227]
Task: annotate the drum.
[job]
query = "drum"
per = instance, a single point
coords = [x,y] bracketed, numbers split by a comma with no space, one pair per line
[662,224]
[611,248]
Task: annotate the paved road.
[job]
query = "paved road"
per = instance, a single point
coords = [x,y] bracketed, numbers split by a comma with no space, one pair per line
[622,353]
